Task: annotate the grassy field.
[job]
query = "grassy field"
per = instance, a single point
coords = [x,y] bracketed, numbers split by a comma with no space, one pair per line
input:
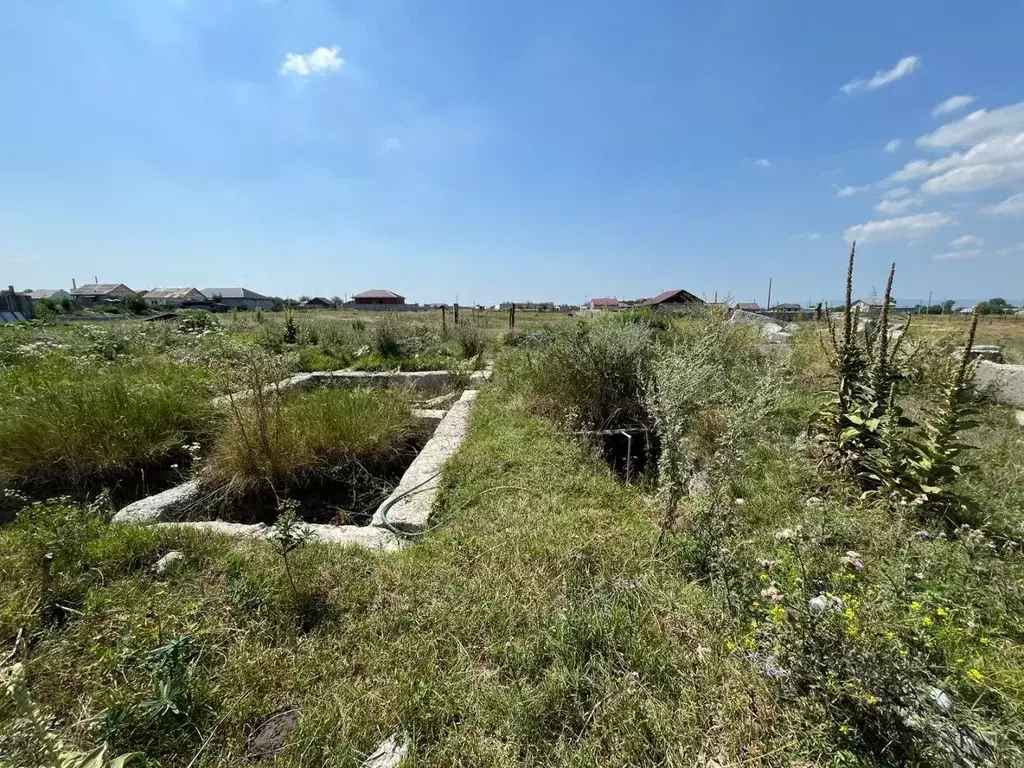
[1005,330]
[748,605]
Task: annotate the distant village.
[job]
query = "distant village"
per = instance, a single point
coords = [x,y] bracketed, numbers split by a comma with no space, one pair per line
[118,297]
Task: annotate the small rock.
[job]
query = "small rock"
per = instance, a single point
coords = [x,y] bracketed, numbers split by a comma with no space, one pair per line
[389,754]
[1020,418]
[814,501]
[167,561]
[739,502]
[941,700]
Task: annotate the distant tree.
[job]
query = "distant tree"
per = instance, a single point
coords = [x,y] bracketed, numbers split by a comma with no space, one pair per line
[276,304]
[136,305]
[997,306]
[216,298]
[337,301]
[303,297]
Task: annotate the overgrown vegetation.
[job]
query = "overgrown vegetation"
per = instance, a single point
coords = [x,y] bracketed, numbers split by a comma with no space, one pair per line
[756,605]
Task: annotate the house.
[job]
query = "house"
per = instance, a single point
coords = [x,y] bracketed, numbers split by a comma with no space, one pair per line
[749,306]
[316,302]
[787,307]
[58,295]
[242,298]
[175,297]
[870,305]
[377,297]
[98,293]
[602,304]
[675,298]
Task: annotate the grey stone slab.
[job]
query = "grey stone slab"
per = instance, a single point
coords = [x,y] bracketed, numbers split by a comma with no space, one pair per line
[1004,383]
[162,506]
[409,506]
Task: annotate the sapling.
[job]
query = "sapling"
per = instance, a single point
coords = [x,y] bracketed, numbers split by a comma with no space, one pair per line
[287,534]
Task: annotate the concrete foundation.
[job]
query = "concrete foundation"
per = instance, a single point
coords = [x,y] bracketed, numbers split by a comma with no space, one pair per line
[409,506]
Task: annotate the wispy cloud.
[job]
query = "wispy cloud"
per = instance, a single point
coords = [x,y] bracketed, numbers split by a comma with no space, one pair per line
[391,145]
[952,104]
[972,254]
[807,236]
[762,163]
[893,145]
[1018,248]
[893,206]
[848,191]
[916,227]
[975,127]
[905,66]
[322,61]
[965,240]
[1011,206]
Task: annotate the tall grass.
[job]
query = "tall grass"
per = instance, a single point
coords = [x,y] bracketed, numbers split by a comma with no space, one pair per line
[63,423]
[273,442]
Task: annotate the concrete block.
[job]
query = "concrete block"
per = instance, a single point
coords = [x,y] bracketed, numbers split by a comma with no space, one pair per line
[1002,382]
[367,537]
[162,506]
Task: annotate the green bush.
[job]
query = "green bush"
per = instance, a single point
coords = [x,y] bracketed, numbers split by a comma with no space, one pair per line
[469,341]
[386,338]
[593,375]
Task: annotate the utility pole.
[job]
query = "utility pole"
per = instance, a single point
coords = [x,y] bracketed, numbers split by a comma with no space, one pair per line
[928,306]
[769,306]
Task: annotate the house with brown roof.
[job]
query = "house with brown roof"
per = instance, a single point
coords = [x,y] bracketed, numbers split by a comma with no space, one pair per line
[316,302]
[377,297]
[602,304]
[676,298]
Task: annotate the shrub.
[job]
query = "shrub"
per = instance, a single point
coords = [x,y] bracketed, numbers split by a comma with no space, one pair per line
[639,316]
[65,424]
[273,442]
[593,375]
[136,305]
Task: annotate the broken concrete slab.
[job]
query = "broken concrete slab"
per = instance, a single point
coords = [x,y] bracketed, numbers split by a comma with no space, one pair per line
[167,561]
[1004,383]
[991,352]
[1019,415]
[409,506]
[743,317]
[168,505]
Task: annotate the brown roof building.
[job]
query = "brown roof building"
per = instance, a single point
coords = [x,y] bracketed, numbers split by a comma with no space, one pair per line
[378,296]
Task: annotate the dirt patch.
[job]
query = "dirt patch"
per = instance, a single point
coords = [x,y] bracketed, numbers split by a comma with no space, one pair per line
[269,736]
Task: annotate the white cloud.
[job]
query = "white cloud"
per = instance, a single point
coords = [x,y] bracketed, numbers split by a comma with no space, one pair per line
[390,145]
[914,227]
[972,178]
[952,104]
[762,163]
[965,240]
[893,145]
[976,127]
[894,193]
[848,191]
[1011,206]
[807,236]
[959,254]
[1018,248]
[322,61]
[890,207]
[904,67]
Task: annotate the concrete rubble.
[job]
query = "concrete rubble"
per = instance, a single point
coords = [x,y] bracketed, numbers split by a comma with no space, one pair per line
[1004,383]
[389,754]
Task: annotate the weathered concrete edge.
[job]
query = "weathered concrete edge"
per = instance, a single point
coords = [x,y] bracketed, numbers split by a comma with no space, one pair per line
[367,537]
[410,513]
[1003,382]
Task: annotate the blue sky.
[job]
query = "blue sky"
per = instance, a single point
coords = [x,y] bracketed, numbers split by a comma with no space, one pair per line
[527,150]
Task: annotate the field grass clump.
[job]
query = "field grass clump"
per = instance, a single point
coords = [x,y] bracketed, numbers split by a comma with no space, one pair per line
[276,442]
[65,424]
